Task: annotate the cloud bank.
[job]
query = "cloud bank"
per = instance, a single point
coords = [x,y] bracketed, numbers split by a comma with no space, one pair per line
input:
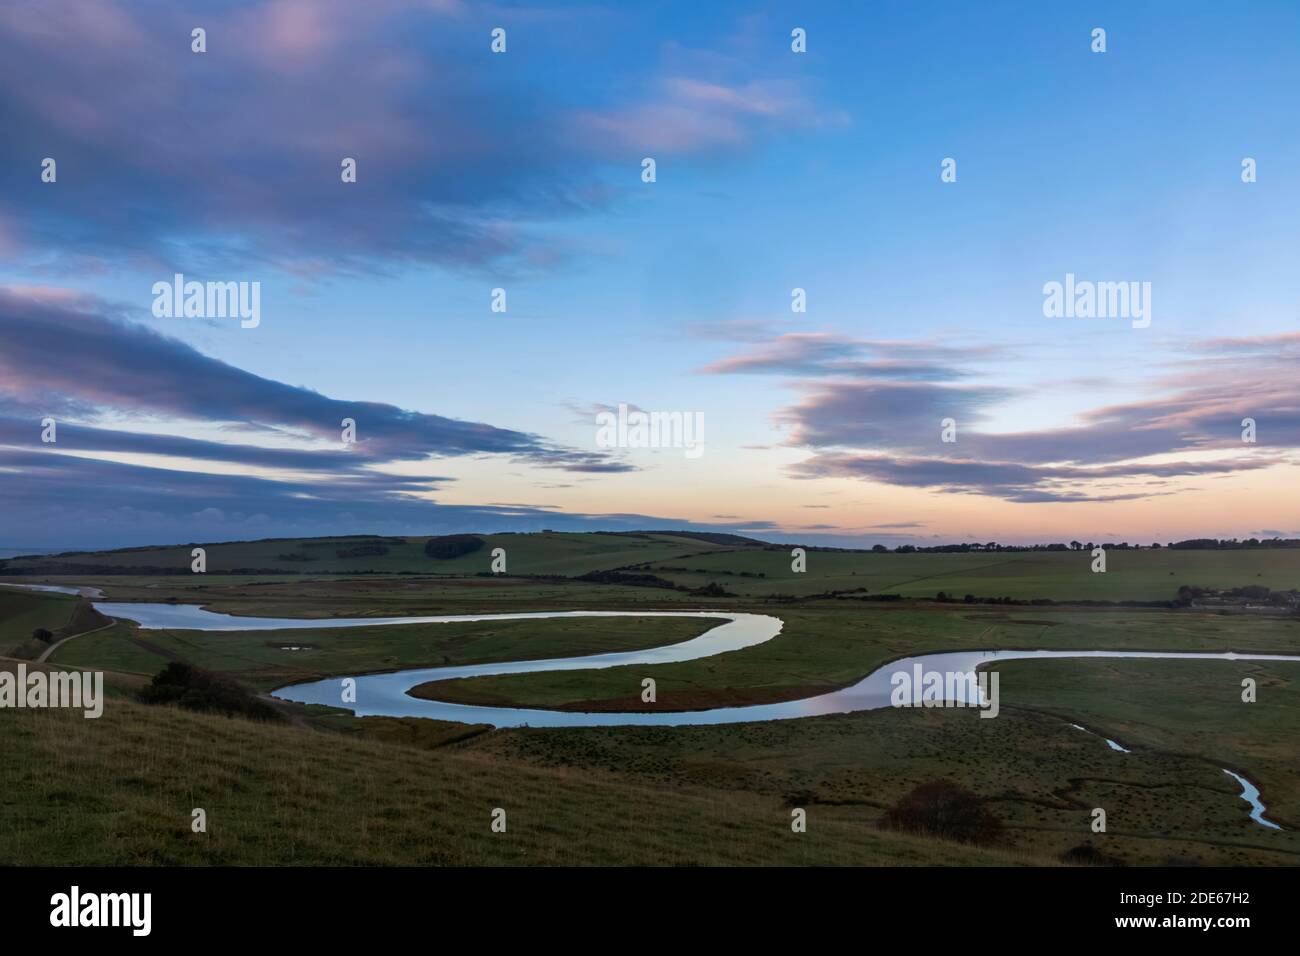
[879,418]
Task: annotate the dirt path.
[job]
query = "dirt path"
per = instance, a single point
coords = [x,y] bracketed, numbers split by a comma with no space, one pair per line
[71,637]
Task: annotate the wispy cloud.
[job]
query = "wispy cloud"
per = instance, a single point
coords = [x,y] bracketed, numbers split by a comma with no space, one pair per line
[1010,480]
[879,419]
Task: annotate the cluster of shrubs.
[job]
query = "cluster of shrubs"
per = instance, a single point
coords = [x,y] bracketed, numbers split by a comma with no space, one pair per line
[42,567]
[1191,544]
[712,589]
[734,574]
[632,578]
[194,689]
[852,594]
[1230,544]
[643,580]
[944,809]
[450,546]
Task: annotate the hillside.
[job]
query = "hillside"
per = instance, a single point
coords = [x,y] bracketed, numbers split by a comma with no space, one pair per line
[122,789]
[545,552]
[675,566]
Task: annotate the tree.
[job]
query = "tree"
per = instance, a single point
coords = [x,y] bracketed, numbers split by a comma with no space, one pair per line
[195,689]
[41,634]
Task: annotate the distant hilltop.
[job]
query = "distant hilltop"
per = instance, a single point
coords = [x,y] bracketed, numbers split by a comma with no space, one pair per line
[293,552]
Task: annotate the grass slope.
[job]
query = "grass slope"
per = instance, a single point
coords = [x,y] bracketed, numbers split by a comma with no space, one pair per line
[120,790]
[1131,575]
[21,612]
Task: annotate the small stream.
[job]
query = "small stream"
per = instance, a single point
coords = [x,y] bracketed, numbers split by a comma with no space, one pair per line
[1250,793]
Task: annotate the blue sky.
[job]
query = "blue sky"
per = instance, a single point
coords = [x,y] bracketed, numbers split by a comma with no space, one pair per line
[775,170]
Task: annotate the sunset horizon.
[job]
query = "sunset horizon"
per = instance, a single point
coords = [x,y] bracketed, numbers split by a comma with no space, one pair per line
[474,304]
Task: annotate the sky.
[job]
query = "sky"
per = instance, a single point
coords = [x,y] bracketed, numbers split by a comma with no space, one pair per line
[523,171]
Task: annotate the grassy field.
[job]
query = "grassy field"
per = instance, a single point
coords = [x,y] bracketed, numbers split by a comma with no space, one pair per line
[1131,575]
[326,787]
[121,789]
[1167,802]
[1040,777]
[824,649]
[1182,707]
[377,595]
[261,659]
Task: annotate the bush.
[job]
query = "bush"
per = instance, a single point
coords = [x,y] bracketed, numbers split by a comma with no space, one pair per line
[712,589]
[452,546]
[944,809]
[195,689]
[629,578]
[1085,854]
[41,634]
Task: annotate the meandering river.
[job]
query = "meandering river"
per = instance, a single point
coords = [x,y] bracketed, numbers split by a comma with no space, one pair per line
[387,695]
